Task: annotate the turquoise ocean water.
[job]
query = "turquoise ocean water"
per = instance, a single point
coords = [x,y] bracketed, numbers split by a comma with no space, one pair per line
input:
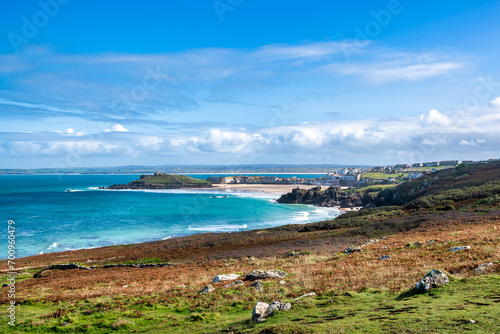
[58,213]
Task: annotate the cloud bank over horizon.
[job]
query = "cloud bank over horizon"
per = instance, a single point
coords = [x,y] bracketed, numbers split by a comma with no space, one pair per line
[276,103]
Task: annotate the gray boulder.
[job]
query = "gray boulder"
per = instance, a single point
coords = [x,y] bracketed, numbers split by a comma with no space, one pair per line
[352,249]
[459,248]
[259,312]
[228,277]
[384,257]
[235,283]
[257,285]
[431,280]
[262,310]
[209,288]
[482,267]
[278,306]
[263,274]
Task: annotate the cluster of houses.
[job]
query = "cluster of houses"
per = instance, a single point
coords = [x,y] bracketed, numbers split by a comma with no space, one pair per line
[244,179]
[445,163]
[399,167]
[349,176]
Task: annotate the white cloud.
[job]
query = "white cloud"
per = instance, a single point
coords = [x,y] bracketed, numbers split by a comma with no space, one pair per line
[310,51]
[402,67]
[471,142]
[427,137]
[150,142]
[60,148]
[434,118]
[435,141]
[70,132]
[117,128]
[495,102]
[221,141]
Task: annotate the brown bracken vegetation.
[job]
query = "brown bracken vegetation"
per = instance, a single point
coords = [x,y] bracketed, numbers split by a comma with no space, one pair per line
[412,254]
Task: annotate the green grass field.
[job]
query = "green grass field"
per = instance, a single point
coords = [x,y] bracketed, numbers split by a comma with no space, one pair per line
[446,309]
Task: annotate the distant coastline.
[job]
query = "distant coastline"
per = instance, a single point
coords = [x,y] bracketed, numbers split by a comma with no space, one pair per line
[181,169]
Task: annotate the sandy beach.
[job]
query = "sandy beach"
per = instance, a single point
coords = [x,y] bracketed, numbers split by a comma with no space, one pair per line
[278,189]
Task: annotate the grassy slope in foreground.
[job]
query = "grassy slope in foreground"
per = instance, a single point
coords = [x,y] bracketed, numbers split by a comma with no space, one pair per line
[355,293]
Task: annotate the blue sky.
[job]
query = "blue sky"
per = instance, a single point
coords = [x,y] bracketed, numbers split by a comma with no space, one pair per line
[108,83]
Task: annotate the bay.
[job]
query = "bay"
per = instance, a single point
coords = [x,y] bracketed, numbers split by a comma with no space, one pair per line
[59,213]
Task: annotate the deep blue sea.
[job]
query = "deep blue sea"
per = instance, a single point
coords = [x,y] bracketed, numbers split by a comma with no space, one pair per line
[59,213]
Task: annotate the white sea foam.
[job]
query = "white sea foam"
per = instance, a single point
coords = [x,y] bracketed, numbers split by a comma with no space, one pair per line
[211,192]
[169,237]
[326,212]
[55,244]
[301,216]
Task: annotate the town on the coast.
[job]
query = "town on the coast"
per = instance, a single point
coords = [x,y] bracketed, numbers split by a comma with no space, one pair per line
[353,176]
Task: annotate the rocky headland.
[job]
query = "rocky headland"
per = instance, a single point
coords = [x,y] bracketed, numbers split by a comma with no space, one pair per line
[162,181]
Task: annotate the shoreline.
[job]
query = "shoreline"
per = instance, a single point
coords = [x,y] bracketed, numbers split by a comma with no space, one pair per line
[276,189]
[270,189]
[173,173]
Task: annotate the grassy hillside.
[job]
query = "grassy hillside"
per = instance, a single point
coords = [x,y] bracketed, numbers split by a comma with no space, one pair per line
[465,190]
[171,179]
[463,185]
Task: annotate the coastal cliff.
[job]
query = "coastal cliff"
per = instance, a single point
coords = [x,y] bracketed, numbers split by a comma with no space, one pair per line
[162,181]
[333,196]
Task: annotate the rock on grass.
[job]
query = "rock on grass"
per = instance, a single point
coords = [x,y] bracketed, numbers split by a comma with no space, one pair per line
[263,310]
[263,274]
[431,280]
[259,312]
[209,288]
[225,277]
[257,285]
[459,248]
